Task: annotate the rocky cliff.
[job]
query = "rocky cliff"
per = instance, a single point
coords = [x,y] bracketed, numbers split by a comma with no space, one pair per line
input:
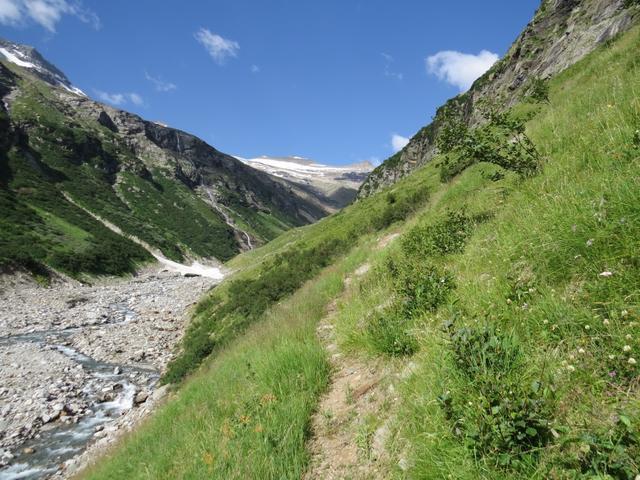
[561,33]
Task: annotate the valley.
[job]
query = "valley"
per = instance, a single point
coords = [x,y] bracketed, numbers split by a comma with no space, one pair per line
[468,309]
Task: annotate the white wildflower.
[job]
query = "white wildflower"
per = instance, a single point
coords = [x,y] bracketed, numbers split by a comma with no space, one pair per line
[626,348]
[631,361]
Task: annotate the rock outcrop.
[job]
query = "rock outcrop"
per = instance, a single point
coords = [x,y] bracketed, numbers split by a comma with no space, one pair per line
[561,33]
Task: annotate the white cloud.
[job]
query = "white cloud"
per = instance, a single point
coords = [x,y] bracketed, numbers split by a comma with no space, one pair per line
[219,48]
[160,84]
[398,142]
[255,69]
[388,72]
[136,99]
[119,98]
[9,12]
[460,69]
[46,13]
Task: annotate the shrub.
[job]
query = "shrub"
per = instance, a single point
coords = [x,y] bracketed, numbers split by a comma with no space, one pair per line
[390,332]
[501,140]
[422,287]
[398,209]
[538,91]
[447,236]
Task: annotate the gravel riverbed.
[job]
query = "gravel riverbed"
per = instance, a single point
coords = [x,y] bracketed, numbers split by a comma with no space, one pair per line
[79,364]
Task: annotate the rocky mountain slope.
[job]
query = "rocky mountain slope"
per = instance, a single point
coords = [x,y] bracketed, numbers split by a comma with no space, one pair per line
[66,160]
[561,33]
[333,187]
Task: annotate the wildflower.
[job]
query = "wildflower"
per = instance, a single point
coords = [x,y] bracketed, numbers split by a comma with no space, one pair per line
[631,361]
[626,348]
[613,373]
[554,326]
[628,336]
[572,357]
[581,351]
[590,242]
[587,327]
[605,321]
[624,313]
[571,368]
[606,273]
[612,357]
[545,321]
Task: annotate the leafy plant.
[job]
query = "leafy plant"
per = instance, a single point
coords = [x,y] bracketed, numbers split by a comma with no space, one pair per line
[501,140]
[499,415]
[390,332]
[445,237]
[538,91]
[421,286]
[613,453]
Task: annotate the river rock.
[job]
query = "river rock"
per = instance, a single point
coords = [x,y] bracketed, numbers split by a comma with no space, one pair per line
[141,397]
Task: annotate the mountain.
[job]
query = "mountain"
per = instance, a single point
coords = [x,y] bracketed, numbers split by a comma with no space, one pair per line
[332,187]
[561,33]
[70,165]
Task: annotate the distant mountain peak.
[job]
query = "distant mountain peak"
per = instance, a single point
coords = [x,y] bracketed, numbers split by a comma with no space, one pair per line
[28,57]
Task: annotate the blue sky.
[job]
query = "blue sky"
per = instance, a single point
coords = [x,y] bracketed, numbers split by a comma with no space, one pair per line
[332,80]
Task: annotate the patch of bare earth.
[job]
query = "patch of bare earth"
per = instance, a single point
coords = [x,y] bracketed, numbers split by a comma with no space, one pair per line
[350,427]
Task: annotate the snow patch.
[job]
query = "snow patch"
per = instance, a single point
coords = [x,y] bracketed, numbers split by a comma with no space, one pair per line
[195,268]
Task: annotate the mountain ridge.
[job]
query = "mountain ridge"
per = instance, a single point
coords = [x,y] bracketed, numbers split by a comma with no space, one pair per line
[137,174]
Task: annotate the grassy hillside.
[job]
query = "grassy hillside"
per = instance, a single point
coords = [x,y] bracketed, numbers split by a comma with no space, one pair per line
[511,298]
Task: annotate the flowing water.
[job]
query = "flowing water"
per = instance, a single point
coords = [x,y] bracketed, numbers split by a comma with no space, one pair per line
[58,442]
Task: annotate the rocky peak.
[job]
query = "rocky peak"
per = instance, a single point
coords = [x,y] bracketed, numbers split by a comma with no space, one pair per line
[28,57]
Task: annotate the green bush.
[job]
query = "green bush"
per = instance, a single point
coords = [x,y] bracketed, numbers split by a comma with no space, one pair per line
[447,236]
[390,332]
[501,140]
[421,286]
[538,91]
[398,209]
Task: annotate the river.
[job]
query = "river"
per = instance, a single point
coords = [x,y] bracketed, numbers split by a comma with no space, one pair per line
[79,363]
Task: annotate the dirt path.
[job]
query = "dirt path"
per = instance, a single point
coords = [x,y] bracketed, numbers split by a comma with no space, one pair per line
[350,428]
